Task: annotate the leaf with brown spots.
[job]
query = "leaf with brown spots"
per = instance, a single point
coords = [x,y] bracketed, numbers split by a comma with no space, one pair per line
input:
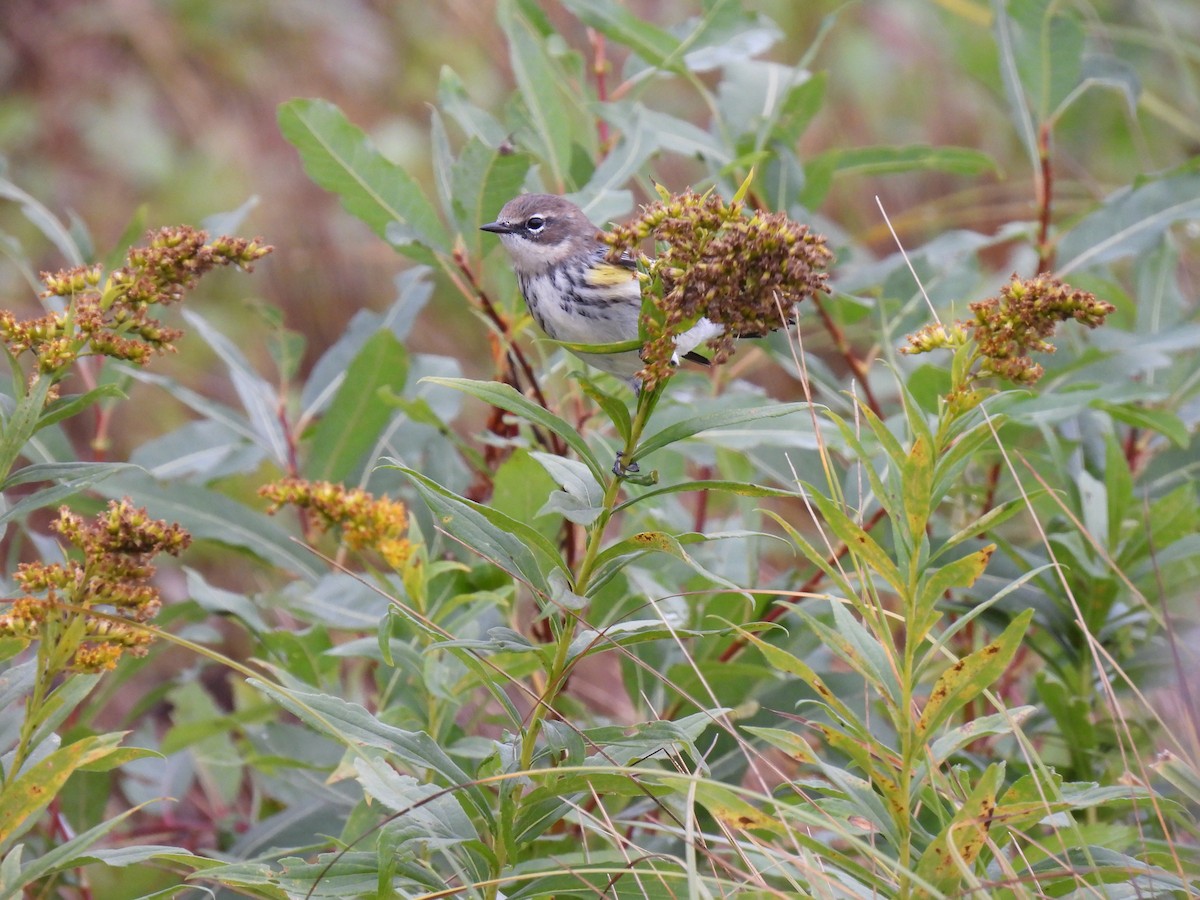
[950,855]
[862,546]
[916,476]
[26,796]
[971,676]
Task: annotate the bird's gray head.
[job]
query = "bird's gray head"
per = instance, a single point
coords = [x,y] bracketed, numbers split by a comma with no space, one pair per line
[541,230]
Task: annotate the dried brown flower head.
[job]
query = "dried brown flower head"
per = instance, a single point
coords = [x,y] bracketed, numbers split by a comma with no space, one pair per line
[1009,327]
[713,261]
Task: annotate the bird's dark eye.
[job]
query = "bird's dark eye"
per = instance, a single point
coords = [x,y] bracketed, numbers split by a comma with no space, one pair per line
[535,224]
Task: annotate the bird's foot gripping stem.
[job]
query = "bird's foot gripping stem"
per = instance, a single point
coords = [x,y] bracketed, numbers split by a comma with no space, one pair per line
[624,471]
[632,474]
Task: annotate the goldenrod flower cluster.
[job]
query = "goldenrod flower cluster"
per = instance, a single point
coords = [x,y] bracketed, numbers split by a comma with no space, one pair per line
[366,521]
[1009,327]
[112,317]
[743,272]
[111,576]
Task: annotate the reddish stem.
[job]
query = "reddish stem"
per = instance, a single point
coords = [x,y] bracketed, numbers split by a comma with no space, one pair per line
[600,71]
[857,366]
[1045,200]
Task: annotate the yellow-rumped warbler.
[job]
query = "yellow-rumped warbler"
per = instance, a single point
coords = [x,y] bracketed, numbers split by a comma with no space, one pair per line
[573,291]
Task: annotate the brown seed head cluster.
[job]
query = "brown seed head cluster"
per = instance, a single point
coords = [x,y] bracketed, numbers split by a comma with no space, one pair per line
[1018,322]
[739,271]
[367,521]
[111,575]
[112,317]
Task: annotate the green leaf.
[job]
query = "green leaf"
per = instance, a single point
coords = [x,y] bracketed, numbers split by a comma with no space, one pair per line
[482,180]
[961,573]
[259,397]
[1131,220]
[24,797]
[788,741]
[452,99]
[21,424]
[339,157]
[951,855]
[912,158]
[1047,42]
[614,408]
[1160,421]
[971,676]
[862,546]
[45,222]
[505,397]
[741,488]
[71,478]
[1010,45]
[353,422]
[955,739]
[520,487]
[429,812]
[73,404]
[519,549]
[626,634]
[790,664]
[616,556]
[657,47]
[581,499]
[548,127]
[668,132]
[77,852]
[709,422]
[916,477]
[353,726]
[858,648]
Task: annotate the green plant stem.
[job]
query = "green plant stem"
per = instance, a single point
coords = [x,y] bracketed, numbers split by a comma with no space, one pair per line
[556,674]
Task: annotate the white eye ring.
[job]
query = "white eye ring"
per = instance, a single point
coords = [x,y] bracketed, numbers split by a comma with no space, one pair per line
[534,224]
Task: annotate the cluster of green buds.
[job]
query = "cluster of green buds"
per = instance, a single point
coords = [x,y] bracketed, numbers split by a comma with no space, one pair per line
[1007,328]
[366,521]
[96,316]
[90,606]
[746,272]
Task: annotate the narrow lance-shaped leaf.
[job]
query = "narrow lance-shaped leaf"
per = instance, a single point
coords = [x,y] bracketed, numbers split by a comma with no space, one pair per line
[358,413]
[1131,221]
[655,46]
[26,796]
[339,157]
[259,397]
[971,676]
[709,422]
[949,857]
[548,129]
[862,545]
[916,476]
[517,548]
[505,397]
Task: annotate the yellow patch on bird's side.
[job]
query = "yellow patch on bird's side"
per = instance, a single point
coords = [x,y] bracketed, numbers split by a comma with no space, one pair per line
[604,274]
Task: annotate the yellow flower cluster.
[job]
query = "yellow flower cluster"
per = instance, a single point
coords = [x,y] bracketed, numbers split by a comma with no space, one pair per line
[366,521]
[111,576]
[111,317]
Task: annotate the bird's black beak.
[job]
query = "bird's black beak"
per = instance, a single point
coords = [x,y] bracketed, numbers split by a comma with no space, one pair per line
[497,228]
